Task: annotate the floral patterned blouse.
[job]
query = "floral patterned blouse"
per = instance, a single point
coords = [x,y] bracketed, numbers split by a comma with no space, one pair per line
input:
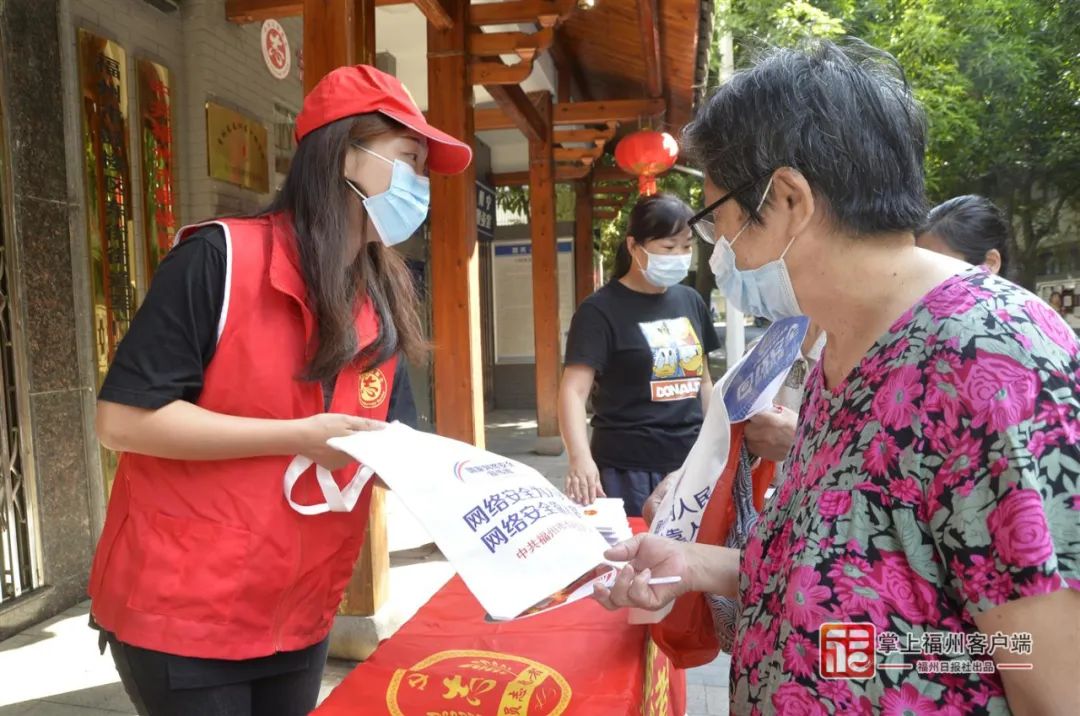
[938,481]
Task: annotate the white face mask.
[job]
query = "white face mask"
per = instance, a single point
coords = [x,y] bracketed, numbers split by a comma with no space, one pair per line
[666,270]
[766,291]
[400,210]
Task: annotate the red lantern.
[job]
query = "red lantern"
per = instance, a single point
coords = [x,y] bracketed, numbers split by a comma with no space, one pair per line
[647,154]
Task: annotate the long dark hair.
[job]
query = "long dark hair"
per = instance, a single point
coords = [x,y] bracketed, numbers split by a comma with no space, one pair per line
[316,197]
[653,217]
[971,226]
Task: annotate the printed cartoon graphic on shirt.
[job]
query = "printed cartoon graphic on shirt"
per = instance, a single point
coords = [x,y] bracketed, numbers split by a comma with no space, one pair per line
[678,360]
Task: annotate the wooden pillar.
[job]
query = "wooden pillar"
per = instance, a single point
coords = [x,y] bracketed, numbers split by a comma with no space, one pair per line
[545,275]
[455,274]
[583,239]
[339,33]
[329,37]
[369,586]
[365,32]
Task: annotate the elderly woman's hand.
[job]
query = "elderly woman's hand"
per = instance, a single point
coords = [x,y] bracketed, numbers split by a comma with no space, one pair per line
[652,502]
[771,434]
[700,568]
[647,556]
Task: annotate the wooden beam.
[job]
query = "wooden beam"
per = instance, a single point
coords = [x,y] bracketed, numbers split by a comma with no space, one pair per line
[516,104]
[605,214]
[585,156]
[605,174]
[545,277]
[649,24]
[455,267]
[523,44]
[563,173]
[511,178]
[547,13]
[613,190]
[584,283]
[245,11]
[584,136]
[491,118]
[242,12]
[435,12]
[571,172]
[499,73]
[608,203]
[568,173]
[623,110]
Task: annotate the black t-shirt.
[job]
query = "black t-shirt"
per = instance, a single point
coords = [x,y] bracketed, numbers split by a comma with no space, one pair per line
[649,352]
[173,336]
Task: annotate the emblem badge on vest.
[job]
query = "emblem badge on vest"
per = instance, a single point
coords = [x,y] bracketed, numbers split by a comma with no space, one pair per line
[372,388]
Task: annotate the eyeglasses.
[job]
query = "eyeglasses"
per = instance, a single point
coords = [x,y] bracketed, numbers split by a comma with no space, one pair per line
[702,226]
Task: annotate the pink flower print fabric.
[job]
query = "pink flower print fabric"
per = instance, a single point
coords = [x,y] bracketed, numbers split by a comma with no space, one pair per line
[938,481]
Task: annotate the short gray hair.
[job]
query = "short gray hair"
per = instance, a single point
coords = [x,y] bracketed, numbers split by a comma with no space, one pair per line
[844,117]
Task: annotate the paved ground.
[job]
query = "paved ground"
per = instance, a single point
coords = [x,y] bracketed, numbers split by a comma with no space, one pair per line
[54,668]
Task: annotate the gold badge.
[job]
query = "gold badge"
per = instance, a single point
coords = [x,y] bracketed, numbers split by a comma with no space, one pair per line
[373,389]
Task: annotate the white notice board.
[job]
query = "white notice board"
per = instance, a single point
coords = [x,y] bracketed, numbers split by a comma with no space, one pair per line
[511,269]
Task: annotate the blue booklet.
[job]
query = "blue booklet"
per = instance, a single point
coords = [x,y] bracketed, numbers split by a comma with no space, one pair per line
[755,380]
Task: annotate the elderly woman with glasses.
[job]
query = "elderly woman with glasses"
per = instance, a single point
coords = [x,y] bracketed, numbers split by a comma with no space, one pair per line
[925,546]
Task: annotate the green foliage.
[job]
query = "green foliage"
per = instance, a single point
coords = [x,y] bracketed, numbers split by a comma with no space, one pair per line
[1000,81]
[515,200]
[609,233]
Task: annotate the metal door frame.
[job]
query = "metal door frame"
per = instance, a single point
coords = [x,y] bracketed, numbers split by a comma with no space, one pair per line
[16,449]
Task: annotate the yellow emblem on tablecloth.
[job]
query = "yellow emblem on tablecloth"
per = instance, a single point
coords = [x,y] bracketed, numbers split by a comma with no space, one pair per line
[474,683]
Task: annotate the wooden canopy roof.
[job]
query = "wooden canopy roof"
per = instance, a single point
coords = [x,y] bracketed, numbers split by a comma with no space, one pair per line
[611,45]
[621,64]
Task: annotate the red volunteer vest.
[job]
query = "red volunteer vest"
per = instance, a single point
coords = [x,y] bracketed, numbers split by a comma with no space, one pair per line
[206,558]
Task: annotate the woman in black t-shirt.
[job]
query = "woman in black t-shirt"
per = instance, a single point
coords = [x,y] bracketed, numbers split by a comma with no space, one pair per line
[644,341]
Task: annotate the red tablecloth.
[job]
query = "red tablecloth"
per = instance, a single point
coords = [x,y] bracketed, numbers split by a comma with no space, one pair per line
[447,661]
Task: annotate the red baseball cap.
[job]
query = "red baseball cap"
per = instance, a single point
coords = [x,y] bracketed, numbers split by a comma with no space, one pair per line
[348,91]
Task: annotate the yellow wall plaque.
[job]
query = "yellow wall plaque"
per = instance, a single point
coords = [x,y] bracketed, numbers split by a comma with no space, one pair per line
[109,226]
[236,148]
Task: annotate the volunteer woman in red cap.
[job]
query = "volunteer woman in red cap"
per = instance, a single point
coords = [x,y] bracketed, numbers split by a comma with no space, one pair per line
[216,580]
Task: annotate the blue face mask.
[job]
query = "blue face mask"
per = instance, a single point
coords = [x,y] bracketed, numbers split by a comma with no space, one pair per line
[766,291]
[400,210]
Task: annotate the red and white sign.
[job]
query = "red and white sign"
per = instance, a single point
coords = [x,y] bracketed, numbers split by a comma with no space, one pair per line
[275,49]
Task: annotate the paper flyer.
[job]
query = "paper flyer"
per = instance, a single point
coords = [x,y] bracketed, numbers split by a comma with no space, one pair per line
[519,544]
